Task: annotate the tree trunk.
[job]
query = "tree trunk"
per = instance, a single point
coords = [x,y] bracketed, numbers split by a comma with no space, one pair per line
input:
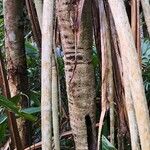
[131,69]
[146,10]
[46,74]
[16,59]
[79,73]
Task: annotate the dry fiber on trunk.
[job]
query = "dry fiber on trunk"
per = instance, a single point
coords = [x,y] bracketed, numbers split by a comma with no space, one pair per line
[132,71]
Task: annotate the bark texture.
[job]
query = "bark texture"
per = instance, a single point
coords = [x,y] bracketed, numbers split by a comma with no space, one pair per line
[46,74]
[16,59]
[39,10]
[146,10]
[35,26]
[79,72]
[135,26]
[134,134]
[107,87]
[132,71]
[125,88]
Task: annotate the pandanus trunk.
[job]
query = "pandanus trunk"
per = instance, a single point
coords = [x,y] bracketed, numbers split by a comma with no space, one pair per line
[79,72]
[16,59]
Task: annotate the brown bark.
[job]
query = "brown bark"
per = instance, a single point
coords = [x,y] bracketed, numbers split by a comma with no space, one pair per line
[35,26]
[146,10]
[135,25]
[107,87]
[132,71]
[16,59]
[79,72]
[123,88]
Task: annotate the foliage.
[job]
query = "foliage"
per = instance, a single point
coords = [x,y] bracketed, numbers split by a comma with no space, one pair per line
[146,65]
[106,145]
[31,110]
[1,32]
[3,130]
[34,94]
[33,62]
[1,25]
[96,65]
[11,106]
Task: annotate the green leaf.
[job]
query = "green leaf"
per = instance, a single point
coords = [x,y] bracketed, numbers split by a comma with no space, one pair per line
[35,97]
[9,105]
[2,118]
[3,129]
[16,99]
[106,145]
[31,50]
[31,110]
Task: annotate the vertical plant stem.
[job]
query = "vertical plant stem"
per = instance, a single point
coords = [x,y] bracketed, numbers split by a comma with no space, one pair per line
[79,71]
[128,100]
[146,10]
[131,68]
[55,104]
[112,123]
[46,74]
[34,22]
[134,18]
[107,74]
[131,115]
[39,10]
[135,25]
[16,60]
[138,37]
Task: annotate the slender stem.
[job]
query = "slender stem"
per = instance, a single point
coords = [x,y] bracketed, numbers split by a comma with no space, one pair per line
[55,105]
[46,74]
